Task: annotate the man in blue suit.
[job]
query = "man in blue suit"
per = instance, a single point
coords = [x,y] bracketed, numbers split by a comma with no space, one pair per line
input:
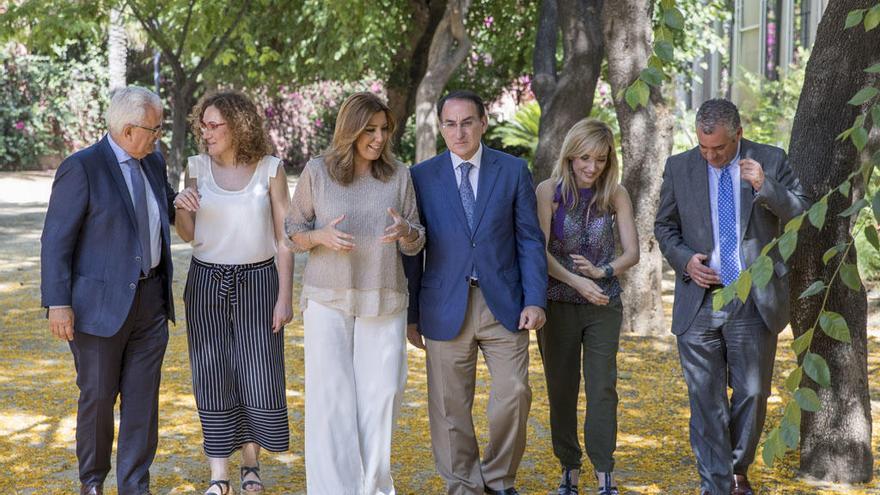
[480,283]
[106,279]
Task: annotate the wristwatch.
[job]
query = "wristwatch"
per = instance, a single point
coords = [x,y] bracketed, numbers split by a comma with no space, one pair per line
[609,270]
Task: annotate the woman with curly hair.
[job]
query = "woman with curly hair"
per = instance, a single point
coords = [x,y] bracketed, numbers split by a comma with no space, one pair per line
[238,290]
[344,212]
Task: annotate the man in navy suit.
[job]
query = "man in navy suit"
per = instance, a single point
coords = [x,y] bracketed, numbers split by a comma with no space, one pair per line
[106,279]
[480,283]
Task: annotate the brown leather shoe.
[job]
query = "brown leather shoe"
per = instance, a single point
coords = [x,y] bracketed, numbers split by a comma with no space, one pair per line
[740,485]
[91,489]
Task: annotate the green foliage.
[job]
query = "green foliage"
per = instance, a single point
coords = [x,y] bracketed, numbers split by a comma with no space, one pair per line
[522,130]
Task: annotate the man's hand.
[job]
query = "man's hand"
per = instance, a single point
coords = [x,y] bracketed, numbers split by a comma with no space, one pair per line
[61,322]
[414,337]
[701,274]
[532,318]
[751,172]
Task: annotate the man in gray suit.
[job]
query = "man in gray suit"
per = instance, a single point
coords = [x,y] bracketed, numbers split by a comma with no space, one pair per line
[720,203]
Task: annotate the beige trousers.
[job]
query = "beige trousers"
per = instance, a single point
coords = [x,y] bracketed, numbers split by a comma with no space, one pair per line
[452,368]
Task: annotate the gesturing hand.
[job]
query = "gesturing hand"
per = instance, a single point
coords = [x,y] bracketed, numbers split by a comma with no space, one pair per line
[331,237]
[188,199]
[700,273]
[585,267]
[751,172]
[400,229]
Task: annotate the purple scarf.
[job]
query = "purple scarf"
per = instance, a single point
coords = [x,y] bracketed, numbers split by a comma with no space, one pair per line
[558,224]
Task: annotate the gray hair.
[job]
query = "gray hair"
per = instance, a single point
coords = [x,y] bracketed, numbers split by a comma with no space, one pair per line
[715,112]
[128,106]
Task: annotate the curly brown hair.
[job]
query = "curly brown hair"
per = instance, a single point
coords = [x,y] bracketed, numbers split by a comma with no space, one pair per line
[353,117]
[249,139]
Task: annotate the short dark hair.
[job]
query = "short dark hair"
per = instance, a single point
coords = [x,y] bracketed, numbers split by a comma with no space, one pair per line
[718,111]
[463,94]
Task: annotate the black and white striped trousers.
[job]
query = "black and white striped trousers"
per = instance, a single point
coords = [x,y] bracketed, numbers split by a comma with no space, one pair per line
[237,362]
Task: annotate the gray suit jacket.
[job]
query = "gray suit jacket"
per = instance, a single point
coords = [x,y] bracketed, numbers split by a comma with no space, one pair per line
[683,227]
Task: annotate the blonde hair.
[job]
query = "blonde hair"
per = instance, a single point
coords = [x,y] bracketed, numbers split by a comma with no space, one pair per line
[353,118]
[249,139]
[593,137]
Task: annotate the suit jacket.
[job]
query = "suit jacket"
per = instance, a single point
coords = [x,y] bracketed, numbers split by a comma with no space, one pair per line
[506,246]
[90,249]
[683,227]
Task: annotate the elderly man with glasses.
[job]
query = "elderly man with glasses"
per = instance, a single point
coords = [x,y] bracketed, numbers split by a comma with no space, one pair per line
[106,281]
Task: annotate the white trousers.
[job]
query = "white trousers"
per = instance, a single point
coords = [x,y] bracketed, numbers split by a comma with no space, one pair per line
[355,379]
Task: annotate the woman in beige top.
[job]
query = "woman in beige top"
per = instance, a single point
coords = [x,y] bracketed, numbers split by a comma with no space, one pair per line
[238,291]
[354,211]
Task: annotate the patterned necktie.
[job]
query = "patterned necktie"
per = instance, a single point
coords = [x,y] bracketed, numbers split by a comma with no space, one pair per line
[467,193]
[139,192]
[727,234]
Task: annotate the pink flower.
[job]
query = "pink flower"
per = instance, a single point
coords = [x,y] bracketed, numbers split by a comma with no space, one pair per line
[19,125]
[488,21]
[376,87]
[319,123]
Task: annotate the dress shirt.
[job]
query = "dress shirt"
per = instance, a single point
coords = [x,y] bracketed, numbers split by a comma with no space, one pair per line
[714,174]
[474,174]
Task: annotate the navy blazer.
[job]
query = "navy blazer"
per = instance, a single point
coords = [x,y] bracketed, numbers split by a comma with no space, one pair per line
[506,247]
[90,250]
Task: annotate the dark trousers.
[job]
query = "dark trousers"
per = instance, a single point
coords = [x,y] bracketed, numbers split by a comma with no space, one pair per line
[595,330]
[127,364]
[727,348]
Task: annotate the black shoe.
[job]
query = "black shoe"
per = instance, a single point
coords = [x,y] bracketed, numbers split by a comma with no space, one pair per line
[505,491]
[605,487]
[566,487]
[91,489]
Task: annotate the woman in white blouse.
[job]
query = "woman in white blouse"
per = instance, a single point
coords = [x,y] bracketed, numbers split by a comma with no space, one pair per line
[238,290]
[354,211]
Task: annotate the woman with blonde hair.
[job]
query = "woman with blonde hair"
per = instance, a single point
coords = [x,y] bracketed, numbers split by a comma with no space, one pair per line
[579,208]
[238,292]
[354,211]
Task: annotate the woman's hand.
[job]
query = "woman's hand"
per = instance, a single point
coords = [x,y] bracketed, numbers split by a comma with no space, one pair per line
[331,237]
[585,267]
[281,315]
[188,199]
[590,291]
[399,230]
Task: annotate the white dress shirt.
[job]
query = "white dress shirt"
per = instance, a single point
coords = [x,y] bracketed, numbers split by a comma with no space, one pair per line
[714,175]
[474,174]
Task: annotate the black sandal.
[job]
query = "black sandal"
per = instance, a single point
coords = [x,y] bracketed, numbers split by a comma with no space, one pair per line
[220,484]
[245,485]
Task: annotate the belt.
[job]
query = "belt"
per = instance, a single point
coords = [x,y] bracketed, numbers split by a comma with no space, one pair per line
[472,282]
[150,274]
[714,287]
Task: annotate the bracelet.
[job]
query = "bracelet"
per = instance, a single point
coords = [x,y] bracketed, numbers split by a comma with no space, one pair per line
[410,229]
[608,269]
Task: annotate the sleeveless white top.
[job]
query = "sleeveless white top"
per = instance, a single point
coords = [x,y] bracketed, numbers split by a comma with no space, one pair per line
[233,227]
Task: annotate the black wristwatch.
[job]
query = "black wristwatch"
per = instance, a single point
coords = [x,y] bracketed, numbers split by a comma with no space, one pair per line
[609,270]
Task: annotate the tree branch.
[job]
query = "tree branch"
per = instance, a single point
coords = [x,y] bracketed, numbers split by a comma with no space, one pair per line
[185,30]
[544,58]
[220,42]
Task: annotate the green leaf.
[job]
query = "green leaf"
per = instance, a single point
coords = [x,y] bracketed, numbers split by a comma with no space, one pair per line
[802,343]
[664,49]
[795,223]
[771,447]
[762,270]
[814,288]
[787,244]
[667,4]
[807,399]
[718,300]
[744,285]
[817,213]
[643,92]
[844,135]
[859,138]
[632,97]
[832,252]
[875,205]
[794,379]
[854,208]
[872,18]
[723,296]
[875,115]
[673,18]
[844,188]
[849,273]
[790,433]
[854,18]
[874,69]
[863,95]
[834,325]
[871,235]
[652,76]
[816,368]
[792,413]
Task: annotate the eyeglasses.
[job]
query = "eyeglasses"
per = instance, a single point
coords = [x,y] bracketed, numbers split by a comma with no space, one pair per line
[155,131]
[464,125]
[210,126]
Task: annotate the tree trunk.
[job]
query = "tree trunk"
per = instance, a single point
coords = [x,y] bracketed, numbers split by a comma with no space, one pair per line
[449,48]
[836,440]
[646,142]
[116,48]
[565,96]
[411,61]
[182,101]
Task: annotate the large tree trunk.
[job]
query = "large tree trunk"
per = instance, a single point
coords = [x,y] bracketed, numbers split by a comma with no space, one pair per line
[565,96]
[645,141]
[116,48]
[182,102]
[449,48]
[836,440]
[411,60]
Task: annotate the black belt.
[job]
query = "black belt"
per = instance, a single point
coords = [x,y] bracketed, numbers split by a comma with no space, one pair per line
[714,287]
[150,274]
[472,282]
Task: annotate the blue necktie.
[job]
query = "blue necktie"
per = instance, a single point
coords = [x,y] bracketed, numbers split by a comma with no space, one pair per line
[727,234]
[467,193]
[139,192]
